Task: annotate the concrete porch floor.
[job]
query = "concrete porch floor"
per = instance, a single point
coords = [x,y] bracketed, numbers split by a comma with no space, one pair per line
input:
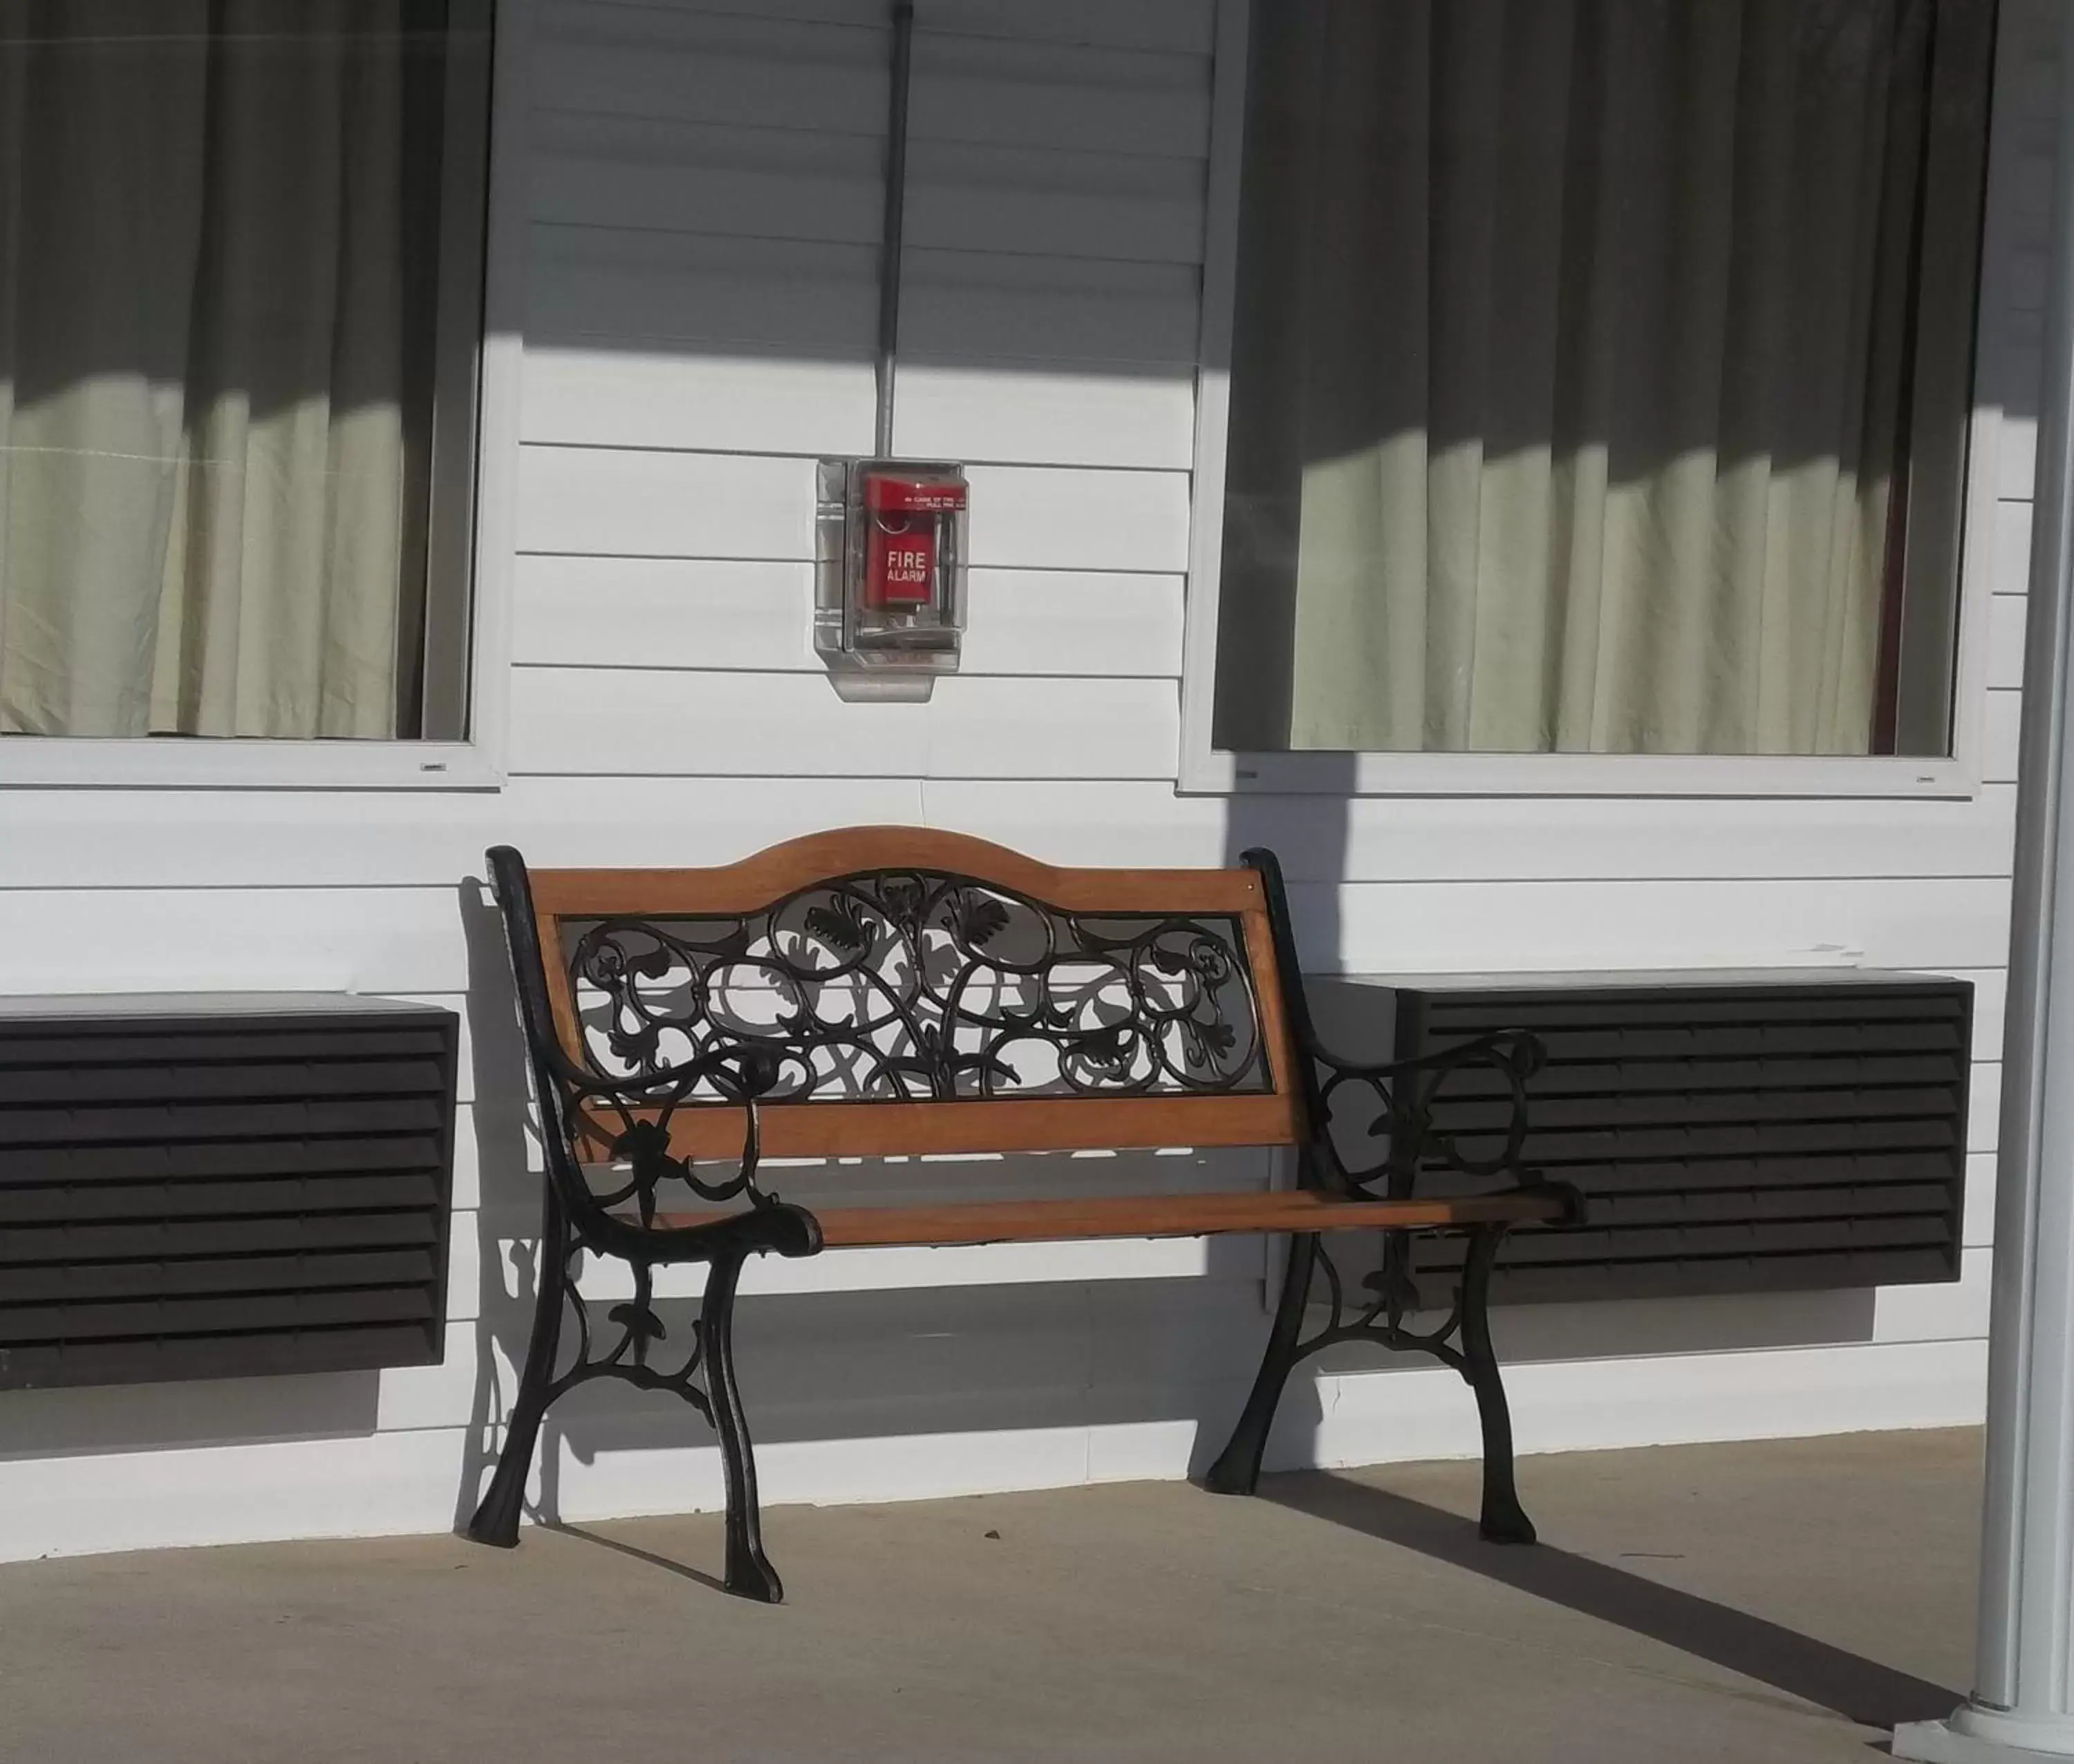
[1780,1601]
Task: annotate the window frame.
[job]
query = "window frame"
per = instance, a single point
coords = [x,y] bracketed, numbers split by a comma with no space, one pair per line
[476,761]
[1204,769]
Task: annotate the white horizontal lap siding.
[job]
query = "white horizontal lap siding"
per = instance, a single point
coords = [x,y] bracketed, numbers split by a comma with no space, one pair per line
[599,502]
[755,616]
[1903,922]
[222,842]
[249,938]
[706,191]
[638,720]
[622,712]
[180,839]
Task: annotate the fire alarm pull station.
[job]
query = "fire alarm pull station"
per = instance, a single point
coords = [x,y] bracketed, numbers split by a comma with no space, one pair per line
[889,604]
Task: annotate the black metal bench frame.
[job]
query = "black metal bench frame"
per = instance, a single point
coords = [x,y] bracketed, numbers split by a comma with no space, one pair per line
[1193,1031]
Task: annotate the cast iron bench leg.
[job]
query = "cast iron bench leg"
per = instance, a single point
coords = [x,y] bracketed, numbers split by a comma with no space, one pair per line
[496,1520]
[748,1571]
[1237,1468]
[1504,1520]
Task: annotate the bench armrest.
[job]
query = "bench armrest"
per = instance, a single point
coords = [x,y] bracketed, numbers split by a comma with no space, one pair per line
[624,1118]
[1403,1094]
[629,1120]
[1403,1091]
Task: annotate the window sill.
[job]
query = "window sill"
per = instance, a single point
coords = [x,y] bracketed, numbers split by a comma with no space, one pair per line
[38,762]
[1574,774]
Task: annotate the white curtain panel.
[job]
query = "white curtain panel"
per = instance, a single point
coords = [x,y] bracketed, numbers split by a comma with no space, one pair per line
[1573,345]
[209,512]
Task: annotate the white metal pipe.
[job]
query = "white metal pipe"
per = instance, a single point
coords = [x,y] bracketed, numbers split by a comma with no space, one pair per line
[893,224]
[2020,1707]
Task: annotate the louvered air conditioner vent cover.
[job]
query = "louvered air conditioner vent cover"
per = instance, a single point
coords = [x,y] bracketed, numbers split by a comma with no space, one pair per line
[1732,1133]
[211,1186]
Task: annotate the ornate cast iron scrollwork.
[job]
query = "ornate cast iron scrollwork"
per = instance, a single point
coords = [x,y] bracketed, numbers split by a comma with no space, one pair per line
[1395,1103]
[896,986]
[1391,1106]
[900,985]
[629,1358]
[641,1108]
[921,985]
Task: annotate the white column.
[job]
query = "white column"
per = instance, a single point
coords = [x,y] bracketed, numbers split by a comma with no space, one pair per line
[2023,1705]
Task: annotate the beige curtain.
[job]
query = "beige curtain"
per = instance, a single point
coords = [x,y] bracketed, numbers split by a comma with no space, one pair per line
[211,405]
[1572,338]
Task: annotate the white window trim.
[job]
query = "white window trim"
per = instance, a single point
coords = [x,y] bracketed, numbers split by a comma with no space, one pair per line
[1206,769]
[478,763]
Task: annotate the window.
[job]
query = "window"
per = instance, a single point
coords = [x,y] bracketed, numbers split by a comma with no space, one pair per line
[1600,377]
[240,250]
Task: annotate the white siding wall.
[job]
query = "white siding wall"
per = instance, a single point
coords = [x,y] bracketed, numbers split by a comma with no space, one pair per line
[701,294]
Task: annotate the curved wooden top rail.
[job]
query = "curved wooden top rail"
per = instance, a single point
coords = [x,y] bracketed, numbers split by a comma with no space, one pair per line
[770,875]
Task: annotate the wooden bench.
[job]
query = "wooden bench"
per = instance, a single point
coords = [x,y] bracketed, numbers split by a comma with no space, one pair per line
[886,991]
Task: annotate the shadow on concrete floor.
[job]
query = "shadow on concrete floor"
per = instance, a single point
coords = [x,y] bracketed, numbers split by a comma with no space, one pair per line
[682,1569]
[1859,1689]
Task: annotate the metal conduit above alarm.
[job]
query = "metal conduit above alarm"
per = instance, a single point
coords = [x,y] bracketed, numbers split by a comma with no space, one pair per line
[889,537]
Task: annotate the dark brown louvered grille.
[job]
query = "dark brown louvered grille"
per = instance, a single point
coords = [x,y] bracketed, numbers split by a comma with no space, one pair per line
[1730,1136]
[217,1187]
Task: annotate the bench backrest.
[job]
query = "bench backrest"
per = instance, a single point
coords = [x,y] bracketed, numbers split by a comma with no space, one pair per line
[899,990]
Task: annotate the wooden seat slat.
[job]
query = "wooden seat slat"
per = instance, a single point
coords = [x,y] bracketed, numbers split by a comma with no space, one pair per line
[1147,1216]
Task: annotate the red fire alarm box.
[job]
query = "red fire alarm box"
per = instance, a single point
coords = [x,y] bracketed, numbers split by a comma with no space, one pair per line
[891,595]
[907,516]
